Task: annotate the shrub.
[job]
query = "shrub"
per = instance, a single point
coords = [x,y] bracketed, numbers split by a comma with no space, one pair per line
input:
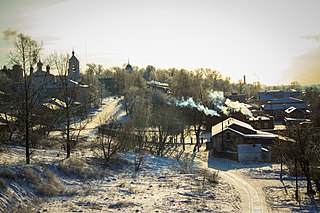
[209,176]
[77,167]
[52,186]
[7,173]
[30,175]
[3,185]
[213,177]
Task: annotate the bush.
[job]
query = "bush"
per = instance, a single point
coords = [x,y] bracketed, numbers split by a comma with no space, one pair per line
[8,174]
[77,167]
[30,175]
[209,176]
[45,182]
[213,177]
[52,186]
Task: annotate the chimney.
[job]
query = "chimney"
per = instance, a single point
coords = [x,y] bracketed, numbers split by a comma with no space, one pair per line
[244,79]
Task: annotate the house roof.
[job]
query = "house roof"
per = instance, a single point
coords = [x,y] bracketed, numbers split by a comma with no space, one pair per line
[241,128]
[51,106]
[261,117]
[285,100]
[284,106]
[290,109]
[4,118]
[231,123]
[57,102]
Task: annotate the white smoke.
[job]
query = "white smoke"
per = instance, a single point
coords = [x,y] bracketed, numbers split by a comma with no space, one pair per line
[192,104]
[216,97]
[226,105]
[219,102]
[234,106]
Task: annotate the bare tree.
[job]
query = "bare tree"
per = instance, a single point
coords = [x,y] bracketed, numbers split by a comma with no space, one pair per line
[25,54]
[112,138]
[70,92]
[301,154]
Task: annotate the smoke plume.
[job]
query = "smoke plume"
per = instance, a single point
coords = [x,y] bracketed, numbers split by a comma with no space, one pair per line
[191,104]
[234,106]
[9,34]
[216,97]
[226,106]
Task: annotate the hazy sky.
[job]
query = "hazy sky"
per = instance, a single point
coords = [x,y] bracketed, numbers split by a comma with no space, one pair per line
[271,41]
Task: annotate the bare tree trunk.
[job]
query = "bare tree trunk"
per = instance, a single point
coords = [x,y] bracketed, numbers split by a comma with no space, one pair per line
[68,138]
[197,145]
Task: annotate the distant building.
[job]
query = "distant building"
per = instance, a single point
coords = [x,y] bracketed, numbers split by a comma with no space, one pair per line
[266,96]
[231,132]
[129,67]
[264,122]
[293,112]
[277,107]
[74,69]
[227,135]
[15,74]
[163,87]
[40,78]
[237,97]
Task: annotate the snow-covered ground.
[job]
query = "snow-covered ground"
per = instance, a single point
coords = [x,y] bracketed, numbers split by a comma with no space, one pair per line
[86,184]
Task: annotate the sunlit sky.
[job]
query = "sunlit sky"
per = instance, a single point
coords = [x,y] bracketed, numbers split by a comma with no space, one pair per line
[271,41]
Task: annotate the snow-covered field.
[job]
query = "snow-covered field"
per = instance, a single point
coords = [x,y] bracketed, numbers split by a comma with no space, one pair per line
[85,183]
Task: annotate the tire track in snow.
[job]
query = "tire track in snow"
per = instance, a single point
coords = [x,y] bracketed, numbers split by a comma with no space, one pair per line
[251,201]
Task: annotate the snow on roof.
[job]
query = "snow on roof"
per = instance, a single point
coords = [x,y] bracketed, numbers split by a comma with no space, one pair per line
[227,125]
[286,100]
[284,106]
[51,106]
[224,125]
[290,109]
[7,118]
[262,117]
[57,102]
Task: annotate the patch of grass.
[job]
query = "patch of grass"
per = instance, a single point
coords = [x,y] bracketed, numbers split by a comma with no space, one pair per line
[121,204]
[45,182]
[208,176]
[22,209]
[29,175]
[213,177]
[77,167]
[8,174]
[51,186]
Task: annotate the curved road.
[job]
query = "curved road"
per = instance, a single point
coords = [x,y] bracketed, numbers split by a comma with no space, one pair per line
[253,199]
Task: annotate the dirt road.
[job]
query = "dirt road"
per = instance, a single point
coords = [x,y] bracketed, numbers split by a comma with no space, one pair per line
[253,199]
[110,107]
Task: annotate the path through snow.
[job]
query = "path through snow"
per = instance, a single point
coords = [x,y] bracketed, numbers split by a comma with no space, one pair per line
[253,199]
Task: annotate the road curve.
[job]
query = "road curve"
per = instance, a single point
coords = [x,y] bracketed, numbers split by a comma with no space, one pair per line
[252,201]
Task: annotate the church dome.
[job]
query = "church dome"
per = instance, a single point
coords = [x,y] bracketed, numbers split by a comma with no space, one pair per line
[129,68]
